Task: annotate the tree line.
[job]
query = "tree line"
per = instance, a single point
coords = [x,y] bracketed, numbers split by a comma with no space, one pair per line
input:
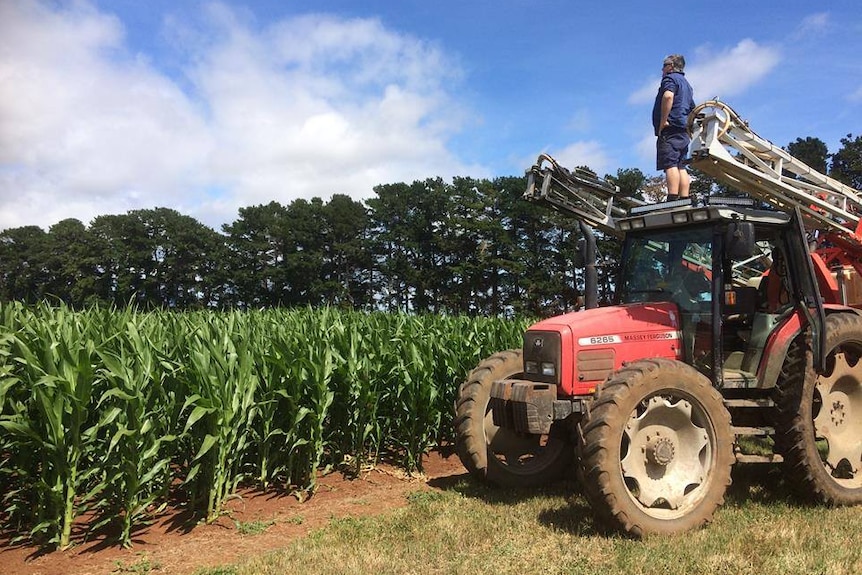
[472,246]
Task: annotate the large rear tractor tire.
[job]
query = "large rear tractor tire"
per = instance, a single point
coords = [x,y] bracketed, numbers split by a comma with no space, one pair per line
[499,455]
[656,449]
[819,422]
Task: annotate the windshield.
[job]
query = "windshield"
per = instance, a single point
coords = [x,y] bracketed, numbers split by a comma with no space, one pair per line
[672,265]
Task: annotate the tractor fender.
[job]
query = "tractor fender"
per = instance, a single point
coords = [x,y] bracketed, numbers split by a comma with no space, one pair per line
[780,340]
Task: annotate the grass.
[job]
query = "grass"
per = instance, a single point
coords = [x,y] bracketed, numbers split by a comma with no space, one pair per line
[469,529]
[140,567]
[252,527]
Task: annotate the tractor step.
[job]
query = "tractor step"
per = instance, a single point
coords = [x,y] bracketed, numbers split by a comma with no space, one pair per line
[762,402]
[746,458]
[759,431]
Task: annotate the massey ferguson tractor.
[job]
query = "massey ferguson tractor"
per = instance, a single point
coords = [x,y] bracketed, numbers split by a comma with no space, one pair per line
[735,322]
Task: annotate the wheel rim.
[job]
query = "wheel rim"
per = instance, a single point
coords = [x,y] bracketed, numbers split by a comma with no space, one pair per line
[667,453]
[838,419]
[521,453]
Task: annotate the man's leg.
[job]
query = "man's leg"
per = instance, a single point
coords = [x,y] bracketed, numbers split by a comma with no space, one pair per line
[681,147]
[672,176]
[684,182]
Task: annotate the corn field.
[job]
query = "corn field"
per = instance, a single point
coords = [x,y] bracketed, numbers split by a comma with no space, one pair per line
[109,415]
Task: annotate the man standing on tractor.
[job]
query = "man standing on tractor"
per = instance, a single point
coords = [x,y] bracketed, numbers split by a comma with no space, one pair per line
[673,103]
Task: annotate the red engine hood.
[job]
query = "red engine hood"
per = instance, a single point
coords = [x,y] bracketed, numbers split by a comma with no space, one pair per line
[596,342]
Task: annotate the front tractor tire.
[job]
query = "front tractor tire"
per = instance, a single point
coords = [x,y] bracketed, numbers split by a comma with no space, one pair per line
[499,455]
[819,424]
[656,449]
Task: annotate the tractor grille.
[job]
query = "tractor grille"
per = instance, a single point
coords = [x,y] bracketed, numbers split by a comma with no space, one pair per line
[595,365]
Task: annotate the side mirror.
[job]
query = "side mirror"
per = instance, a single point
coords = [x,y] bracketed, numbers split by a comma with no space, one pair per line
[739,241]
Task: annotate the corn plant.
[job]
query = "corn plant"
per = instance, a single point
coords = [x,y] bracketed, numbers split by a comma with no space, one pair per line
[139,411]
[221,382]
[312,369]
[357,433]
[301,362]
[267,412]
[280,414]
[12,501]
[52,429]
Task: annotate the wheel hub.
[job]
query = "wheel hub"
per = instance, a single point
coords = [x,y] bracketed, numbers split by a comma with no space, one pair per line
[837,412]
[667,453]
[659,450]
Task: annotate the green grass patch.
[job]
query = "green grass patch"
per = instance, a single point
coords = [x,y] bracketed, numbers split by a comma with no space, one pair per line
[140,567]
[468,528]
[252,527]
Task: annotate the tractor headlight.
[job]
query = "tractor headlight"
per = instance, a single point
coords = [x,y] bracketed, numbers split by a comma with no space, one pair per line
[542,356]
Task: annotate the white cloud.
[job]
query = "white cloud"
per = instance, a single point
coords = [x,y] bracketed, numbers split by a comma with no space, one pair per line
[86,132]
[856,96]
[587,153]
[724,73]
[813,24]
[731,71]
[310,106]
[645,148]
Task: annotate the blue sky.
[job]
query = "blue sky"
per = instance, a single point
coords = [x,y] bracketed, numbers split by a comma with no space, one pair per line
[206,107]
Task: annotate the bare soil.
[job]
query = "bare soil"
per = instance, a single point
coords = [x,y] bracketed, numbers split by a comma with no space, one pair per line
[179,547]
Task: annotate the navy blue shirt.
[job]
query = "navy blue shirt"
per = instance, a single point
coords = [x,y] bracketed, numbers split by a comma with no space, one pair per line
[683,101]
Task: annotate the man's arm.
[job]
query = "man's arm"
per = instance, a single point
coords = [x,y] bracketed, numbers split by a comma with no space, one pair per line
[666,105]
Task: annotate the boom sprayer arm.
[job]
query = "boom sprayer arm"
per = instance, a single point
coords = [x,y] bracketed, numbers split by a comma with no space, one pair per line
[723,146]
[590,199]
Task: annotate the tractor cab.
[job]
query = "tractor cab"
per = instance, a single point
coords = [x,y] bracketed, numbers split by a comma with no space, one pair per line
[725,268]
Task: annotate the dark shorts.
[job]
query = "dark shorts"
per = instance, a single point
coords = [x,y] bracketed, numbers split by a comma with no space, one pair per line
[671,150]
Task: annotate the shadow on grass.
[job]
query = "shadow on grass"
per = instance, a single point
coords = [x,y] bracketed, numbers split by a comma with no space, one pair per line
[575,517]
[752,484]
[471,487]
[765,483]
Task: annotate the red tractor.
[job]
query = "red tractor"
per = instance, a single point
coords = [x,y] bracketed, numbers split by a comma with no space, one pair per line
[731,320]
